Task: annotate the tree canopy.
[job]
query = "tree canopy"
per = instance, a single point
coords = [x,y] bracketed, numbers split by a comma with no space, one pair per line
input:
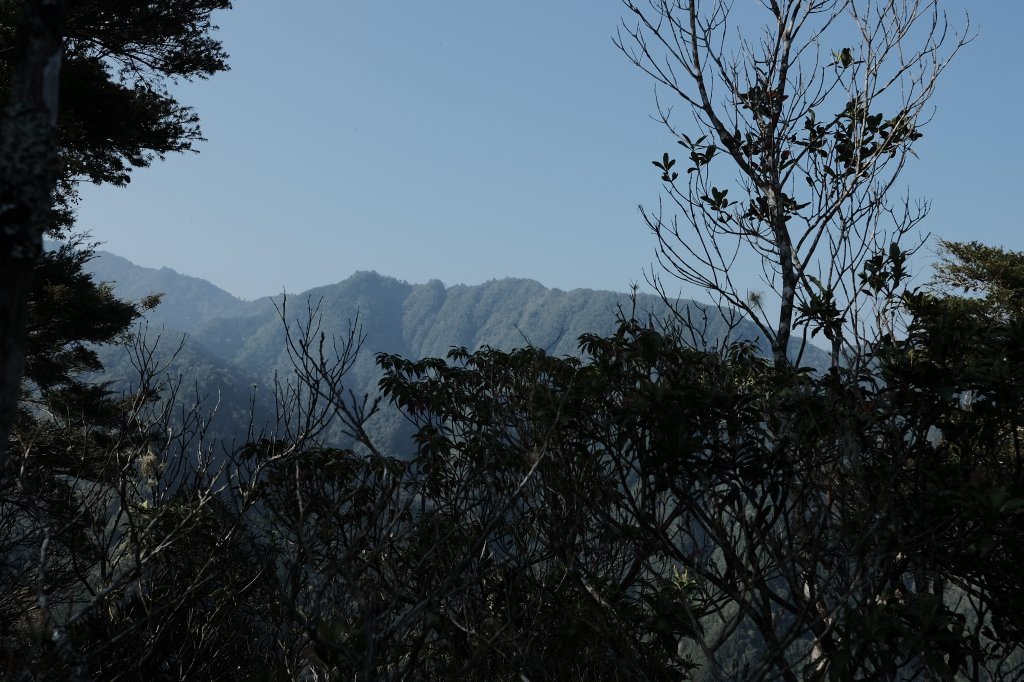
[115,113]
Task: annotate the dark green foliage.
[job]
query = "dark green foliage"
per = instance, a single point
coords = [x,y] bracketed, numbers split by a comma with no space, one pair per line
[646,510]
[655,503]
[63,407]
[996,274]
[70,313]
[116,113]
[740,476]
[92,502]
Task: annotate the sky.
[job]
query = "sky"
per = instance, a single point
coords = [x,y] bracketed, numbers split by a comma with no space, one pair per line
[468,140]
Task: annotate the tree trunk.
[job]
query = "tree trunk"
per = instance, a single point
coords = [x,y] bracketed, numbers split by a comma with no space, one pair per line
[28,157]
[787,269]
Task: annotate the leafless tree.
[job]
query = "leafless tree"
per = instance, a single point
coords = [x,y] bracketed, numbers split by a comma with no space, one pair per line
[119,554]
[802,114]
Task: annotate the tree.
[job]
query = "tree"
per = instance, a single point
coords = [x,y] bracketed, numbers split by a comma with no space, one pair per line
[28,149]
[800,130]
[993,276]
[115,59]
[672,511]
[96,489]
[953,382]
[122,560]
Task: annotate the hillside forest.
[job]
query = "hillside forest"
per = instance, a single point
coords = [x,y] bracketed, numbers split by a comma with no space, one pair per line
[377,480]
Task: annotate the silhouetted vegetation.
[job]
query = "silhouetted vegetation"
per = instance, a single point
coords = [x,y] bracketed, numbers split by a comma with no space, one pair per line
[586,487]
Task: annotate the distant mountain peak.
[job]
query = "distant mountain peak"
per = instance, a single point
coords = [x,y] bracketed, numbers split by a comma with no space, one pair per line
[245,339]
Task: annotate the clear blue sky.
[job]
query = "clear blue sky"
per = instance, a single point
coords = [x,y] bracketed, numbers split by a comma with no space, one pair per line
[467,140]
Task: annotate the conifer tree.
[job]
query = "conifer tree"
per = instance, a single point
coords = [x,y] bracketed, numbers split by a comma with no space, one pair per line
[112,113]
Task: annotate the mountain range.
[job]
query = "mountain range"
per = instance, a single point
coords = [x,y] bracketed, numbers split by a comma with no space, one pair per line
[228,351]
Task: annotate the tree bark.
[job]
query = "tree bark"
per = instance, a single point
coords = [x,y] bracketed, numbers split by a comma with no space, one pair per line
[28,160]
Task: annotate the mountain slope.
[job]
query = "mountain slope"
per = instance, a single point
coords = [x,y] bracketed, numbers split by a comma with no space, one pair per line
[188,302]
[230,343]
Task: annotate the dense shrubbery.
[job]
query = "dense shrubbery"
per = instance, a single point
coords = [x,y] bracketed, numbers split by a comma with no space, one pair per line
[647,512]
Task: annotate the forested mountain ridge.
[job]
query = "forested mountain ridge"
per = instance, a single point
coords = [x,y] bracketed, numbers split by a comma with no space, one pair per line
[231,345]
[189,301]
[418,320]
